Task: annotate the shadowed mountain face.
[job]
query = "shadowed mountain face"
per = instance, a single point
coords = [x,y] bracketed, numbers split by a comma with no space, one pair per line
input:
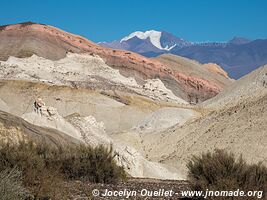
[238,57]
[26,39]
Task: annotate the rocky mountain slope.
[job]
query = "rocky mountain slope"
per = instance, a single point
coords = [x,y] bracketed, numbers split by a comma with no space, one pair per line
[54,44]
[94,95]
[248,88]
[238,57]
[236,120]
[209,72]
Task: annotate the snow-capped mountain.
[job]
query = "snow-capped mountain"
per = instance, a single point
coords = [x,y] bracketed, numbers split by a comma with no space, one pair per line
[151,41]
[238,56]
[154,38]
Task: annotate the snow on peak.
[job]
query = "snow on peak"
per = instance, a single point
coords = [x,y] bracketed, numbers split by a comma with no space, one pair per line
[154,37]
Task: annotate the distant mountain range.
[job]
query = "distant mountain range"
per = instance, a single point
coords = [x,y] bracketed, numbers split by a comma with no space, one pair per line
[238,56]
[153,42]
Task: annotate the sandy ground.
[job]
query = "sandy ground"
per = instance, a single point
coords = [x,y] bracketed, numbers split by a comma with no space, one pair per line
[3,106]
[164,118]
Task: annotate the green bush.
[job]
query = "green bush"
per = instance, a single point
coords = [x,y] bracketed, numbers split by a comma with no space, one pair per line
[79,162]
[220,171]
[94,164]
[44,168]
[11,187]
[26,156]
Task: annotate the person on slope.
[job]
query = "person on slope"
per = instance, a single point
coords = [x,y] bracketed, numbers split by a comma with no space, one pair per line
[38,104]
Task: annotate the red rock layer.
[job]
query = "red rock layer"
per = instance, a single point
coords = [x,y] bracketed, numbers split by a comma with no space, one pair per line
[25,39]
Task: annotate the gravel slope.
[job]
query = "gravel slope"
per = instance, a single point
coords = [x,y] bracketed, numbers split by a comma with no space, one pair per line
[249,87]
[237,123]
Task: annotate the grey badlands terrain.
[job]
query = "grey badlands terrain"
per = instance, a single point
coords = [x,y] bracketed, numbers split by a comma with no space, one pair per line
[157,113]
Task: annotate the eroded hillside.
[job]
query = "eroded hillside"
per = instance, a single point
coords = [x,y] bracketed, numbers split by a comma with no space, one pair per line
[54,44]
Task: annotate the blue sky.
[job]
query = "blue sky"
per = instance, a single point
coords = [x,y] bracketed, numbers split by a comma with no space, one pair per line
[193,20]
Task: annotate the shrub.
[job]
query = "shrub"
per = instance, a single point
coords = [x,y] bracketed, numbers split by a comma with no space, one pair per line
[44,168]
[24,156]
[42,180]
[94,164]
[220,171]
[11,187]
